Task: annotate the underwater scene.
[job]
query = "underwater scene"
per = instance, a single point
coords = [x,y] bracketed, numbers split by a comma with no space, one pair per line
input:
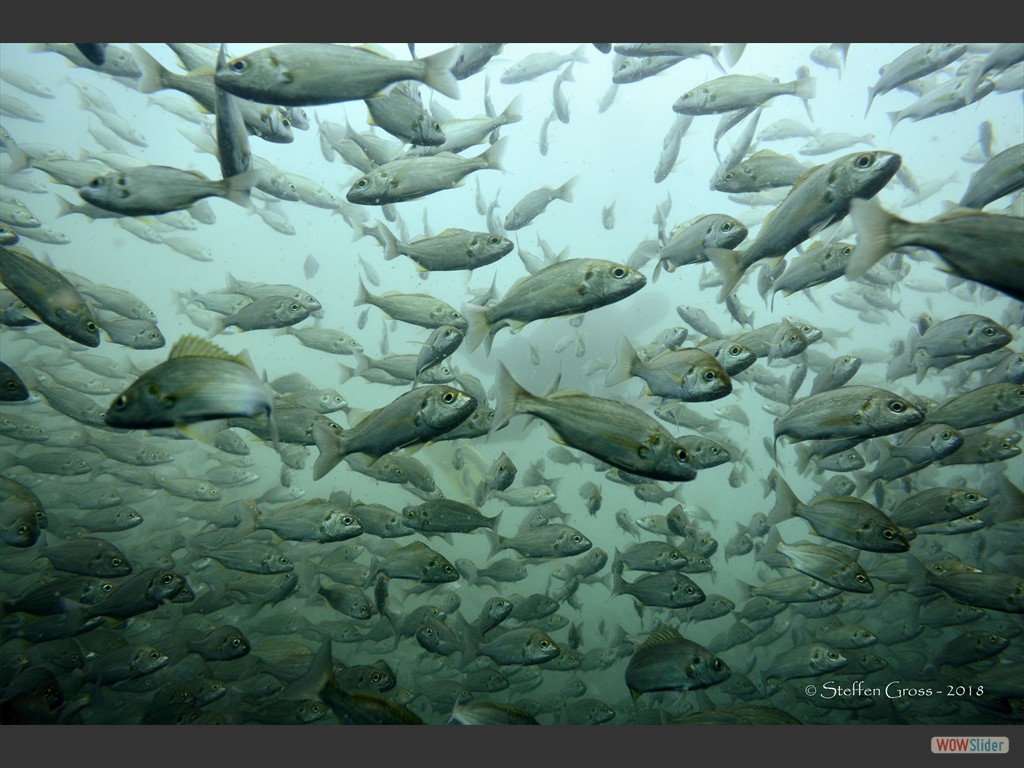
[512,383]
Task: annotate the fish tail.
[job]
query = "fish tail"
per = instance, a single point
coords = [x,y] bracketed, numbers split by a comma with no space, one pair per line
[727,263]
[362,296]
[438,72]
[580,54]
[514,111]
[786,501]
[715,51]
[497,543]
[806,89]
[492,157]
[565,191]
[390,242]
[216,327]
[510,394]
[617,581]
[330,446]
[239,186]
[153,72]
[63,206]
[20,159]
[803,459]
[625,359]
[871,98]
[873,225]
[479,326]
[318,677]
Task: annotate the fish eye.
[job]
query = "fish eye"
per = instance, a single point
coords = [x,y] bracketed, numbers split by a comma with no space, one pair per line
[107,586]
[347,520]
[168,578]
[947,435]
[833,655]
[710,376]
[283,561]
[437,127]
[154,655]
[689,590]
[294,307]
[91,327]
[12,385]
[889,533]
[544,644]
[989,331]
[362,183]
[863,161]
[717,664]
[618,273]
[449,569]
[577,539]
[681,455]
[95,183]
[22,529]
[448,397]
[673,556]
[375,677]
[236,643]
[238,65]
[734,350]
[493,240]
[116,561]
[897,406]
[972,497]
[727,226]
[847,251]
[861,579]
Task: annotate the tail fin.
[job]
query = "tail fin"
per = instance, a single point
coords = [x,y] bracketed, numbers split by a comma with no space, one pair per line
[625,358]
[479,326]
[329,445]
[874,238]
[153,71]
[438,73]
[389,241]
[727,263]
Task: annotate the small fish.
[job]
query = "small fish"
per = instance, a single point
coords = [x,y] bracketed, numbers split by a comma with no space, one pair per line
[453,249]
[415,417]
[566,287]
[536,202]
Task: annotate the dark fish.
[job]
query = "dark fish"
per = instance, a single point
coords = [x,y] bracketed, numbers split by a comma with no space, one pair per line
[668,662]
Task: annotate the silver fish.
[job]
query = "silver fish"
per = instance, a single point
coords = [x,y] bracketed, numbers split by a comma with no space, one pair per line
[308,74]
[415,417]
[666,661]
[198,381]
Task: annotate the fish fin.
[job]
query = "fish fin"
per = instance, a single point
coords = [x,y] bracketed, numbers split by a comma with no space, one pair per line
[727,263]
[319,676]
[874,235]
[153,71]
[438,74]
[329,445]
[493,156]
[625,358]
[786,502]
[239,187]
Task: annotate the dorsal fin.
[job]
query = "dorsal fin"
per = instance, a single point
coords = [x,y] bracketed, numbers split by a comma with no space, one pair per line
[662,634]
[193,346]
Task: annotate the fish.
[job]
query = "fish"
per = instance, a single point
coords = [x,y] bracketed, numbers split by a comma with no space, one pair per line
[411,177]
[453,249]
[417,562]
[415,417]
[688,374]
[913,64]
[199,381]
[155,189]
[536,202]
[49,294]
[536,64]
[688,244]
[1001,174]
[667,661]
[974,245]
[822,196]
[732,92]
[852,411]
[311,74]
[399,111]
[567,287]
[615,432]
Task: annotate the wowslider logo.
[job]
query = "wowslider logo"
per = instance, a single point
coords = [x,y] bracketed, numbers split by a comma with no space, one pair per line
[970,745]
